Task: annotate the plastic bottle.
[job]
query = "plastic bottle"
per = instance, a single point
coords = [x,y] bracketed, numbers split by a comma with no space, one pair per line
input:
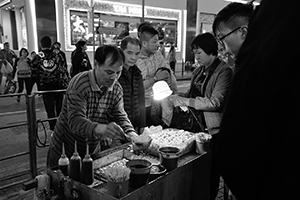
[75,165]
[87,172]
[63,162]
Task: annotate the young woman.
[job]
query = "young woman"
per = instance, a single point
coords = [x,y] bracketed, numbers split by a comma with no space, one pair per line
[23,72]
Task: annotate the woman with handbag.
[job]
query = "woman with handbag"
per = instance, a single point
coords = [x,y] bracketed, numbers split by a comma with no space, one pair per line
[23,72]
[207,94]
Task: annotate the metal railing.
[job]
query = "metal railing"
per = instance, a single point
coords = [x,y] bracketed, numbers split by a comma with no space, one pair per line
[34,140]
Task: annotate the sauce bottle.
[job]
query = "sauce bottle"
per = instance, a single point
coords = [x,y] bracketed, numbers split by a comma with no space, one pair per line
[87,172]
[75,165]
[63,162]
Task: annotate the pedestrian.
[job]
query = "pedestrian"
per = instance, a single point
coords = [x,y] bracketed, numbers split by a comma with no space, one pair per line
[23,66]
[93,109]
[162,49]
[2,60]
[131,81]
[172,57]
[56,47]
[10,56]
[53,76]
[150,60]
[206,96]
[259,141]
[35,78]
[80,59]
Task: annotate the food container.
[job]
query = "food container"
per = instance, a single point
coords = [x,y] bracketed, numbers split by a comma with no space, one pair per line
[156,171]
[169,157]
[139,175]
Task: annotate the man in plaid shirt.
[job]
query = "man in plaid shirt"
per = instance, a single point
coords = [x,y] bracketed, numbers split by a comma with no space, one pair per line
[93,109]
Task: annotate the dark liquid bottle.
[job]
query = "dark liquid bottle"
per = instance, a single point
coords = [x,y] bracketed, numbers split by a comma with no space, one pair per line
[63,162]
[75,165]
[87,172]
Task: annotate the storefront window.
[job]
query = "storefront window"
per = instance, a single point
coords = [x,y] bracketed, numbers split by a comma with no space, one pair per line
[169,30]
[113,21]
[80,23]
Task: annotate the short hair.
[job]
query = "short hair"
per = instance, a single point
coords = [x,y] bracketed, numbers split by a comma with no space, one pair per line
[111,52]
[233,15]
[58,43]
[23,49]
[5,43]
[207,42]
[141,26]
[147,32]
[131,40]
[80,43]
[46,42]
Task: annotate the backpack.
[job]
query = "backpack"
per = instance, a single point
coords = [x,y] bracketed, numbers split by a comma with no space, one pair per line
[10,87]
[52,69]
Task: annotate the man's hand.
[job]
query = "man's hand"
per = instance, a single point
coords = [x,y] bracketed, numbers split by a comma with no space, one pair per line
[163,75]
[141,142]
[175,100]
[111,130]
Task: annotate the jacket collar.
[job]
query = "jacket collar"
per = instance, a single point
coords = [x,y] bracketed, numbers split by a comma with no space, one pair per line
[95,87]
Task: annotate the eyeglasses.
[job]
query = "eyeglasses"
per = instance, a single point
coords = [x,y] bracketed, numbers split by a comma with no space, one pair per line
[223,37]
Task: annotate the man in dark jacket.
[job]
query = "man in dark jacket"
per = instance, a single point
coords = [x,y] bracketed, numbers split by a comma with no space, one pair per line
[259,137]
[131,81]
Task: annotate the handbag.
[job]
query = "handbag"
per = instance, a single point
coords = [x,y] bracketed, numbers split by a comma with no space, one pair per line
[191,120]
[6,68]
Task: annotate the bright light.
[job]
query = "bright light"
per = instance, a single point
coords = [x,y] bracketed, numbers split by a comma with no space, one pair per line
[161,90]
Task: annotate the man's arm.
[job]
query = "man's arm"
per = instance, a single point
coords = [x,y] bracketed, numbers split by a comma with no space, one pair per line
[77,119]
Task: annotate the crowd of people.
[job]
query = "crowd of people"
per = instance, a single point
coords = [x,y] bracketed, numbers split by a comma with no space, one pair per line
[254,137]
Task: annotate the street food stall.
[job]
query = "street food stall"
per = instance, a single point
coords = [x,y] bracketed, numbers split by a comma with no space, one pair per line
[190,179]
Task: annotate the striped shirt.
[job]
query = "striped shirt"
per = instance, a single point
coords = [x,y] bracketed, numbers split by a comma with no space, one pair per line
[85,105]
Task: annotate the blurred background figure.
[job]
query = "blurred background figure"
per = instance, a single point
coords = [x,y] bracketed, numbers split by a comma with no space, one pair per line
[172,57]
[35,79]
[80,59]
[23,66]
[10,56]
[56,48]
[162,48]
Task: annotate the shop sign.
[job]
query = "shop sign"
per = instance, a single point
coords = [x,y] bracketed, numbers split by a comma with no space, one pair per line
[4,2]
[128,10]
[110,30]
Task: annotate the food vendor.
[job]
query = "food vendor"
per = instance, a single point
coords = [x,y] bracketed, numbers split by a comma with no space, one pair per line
[93,110]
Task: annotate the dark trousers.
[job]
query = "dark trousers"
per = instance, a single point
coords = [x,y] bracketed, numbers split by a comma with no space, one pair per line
[172,66]
[37,81]
[52,102]
[148,116]
[215,173]
[27,82]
